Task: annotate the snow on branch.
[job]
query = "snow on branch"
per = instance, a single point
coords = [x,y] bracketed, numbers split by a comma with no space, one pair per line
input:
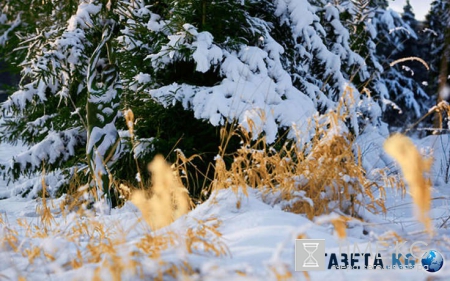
[56,147]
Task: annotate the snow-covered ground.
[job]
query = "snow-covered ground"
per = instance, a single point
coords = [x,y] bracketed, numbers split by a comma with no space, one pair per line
[254,242]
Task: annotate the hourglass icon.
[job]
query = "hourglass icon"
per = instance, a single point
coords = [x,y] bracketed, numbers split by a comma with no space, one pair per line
[310,260]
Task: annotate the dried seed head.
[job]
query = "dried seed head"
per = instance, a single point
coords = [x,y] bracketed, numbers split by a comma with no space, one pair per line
[129,117]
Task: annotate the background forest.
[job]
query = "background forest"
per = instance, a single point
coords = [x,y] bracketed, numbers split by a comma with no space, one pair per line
[188,68]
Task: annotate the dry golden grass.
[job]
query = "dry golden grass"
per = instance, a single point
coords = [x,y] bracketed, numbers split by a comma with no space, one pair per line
[437,110]
[167,200]
[414,168]
[282,272]
[129,118]
[411,59]
[315,179]
[441,107]
[103,243]
[340,226]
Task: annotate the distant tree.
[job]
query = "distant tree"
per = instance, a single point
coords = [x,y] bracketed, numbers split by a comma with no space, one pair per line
[378,35]
[380,4]
[410,100]
[438,31]
[415,46]
[409,17]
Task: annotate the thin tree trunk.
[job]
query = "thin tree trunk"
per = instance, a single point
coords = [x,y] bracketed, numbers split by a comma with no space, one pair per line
[442,79]
[203,14]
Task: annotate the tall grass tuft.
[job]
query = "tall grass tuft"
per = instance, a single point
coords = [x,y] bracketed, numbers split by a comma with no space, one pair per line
[311,177]
[414,168]
[167,200]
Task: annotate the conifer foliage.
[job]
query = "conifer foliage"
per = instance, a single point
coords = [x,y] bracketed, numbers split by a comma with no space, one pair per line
[414,47]
[184,67]
[438,31]
[49,108]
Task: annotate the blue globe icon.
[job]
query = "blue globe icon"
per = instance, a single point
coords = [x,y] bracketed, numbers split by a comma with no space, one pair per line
[432,261]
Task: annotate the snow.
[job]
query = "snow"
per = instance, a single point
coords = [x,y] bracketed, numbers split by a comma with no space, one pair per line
[16,23]
[55,147]
[83,16]
[6,152]
[437,148]
[257,237]
[444,93]
[205,54]
[248,94]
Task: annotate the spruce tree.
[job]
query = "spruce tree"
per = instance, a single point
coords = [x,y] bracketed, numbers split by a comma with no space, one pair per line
[394,42]
[49,108]
[408,16]
[414,47]
[379,37]
[438,31]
